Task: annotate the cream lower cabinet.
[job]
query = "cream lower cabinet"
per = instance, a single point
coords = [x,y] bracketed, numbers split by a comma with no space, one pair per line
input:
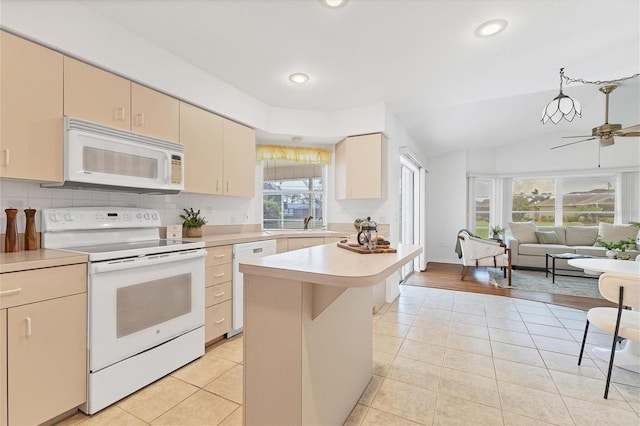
[43,343]
[3,367]
[30,110]
[361,167]
[218,292]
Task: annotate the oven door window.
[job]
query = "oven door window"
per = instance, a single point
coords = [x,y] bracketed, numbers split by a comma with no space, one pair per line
[151,303]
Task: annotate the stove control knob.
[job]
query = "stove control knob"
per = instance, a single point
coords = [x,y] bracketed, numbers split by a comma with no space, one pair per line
[68,217]
[154,216]
[54,217]
[146,216]
[139,215]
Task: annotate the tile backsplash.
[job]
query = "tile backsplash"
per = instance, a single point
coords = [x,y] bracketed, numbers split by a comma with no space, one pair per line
[218,210]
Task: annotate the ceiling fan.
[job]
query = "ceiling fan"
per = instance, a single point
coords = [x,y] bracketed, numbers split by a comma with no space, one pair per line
[607,131]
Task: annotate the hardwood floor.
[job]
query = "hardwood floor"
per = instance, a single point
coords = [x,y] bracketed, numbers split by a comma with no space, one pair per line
[447,276]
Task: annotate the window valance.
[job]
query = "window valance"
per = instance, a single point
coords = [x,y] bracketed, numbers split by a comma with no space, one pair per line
[294,154]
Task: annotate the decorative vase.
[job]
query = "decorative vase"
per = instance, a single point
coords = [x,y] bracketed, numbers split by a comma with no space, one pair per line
[193,232]
[30,240]
[11,233]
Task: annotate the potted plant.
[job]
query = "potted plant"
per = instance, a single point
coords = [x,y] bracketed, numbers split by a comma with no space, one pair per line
[496,231]
[193,223]
[356,223]
[616,249]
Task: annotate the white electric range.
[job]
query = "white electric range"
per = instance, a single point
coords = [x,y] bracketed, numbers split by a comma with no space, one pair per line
[145,296]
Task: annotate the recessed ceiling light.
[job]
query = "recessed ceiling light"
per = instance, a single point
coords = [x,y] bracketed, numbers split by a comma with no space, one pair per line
[299,77]
[333,4]
[491,28]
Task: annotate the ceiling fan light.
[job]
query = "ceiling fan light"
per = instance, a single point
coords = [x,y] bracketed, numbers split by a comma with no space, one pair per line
[562,106]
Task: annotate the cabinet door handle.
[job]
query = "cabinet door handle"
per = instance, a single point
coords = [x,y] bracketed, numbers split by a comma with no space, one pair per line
[220,321]
[118,114]
[5,161]
[139,120]
[218,256]
[221,274]
[217,185]
[10,292]
[228,187]
[218,294]
[349,190]
[28,320]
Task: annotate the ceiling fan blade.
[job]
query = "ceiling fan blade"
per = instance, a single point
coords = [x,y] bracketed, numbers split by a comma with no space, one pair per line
[606,141]
[630,131]
[583,136]
[571,143]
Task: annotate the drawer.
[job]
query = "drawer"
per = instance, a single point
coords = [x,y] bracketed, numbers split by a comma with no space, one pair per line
[298,243]
[217,294]
[217,320]
[19,288]
[218,255]
[218,274]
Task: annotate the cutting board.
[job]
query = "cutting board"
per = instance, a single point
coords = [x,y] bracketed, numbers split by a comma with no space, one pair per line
[364,250]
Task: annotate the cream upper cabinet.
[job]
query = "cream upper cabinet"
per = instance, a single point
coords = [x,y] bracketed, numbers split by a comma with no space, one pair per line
[154,113]
[30,110]
[201,133]
[239,160]
[96,95]
[361,167]
[3,368]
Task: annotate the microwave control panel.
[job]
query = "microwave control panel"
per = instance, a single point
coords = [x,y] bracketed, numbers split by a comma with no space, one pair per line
[176,169]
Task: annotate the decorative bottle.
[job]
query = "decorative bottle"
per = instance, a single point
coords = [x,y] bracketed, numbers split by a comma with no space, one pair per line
[30,241]
[11,233]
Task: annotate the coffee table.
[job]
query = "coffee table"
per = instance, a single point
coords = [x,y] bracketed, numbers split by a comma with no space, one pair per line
[555,256]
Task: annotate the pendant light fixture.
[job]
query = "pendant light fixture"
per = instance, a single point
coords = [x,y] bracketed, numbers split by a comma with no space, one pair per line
[562,106]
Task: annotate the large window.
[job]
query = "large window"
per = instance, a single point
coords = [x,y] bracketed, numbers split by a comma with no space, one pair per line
[291,193]
[564,200]
[482,201]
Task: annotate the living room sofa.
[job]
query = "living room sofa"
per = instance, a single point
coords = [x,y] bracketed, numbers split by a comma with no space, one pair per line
[530,243]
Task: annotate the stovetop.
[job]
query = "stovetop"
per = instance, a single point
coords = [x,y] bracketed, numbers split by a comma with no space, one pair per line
[106,233]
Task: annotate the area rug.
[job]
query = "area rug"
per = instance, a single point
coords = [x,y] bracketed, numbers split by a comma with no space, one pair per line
[536,281]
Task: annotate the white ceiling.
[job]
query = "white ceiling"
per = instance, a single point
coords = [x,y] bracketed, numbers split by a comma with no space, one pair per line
[450,89]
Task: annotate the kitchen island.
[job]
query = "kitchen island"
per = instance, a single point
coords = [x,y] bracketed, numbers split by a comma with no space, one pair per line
[308,332]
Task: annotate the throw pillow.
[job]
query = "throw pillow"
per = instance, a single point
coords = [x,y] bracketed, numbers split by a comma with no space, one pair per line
[547,237]
[613,233]
[524,232]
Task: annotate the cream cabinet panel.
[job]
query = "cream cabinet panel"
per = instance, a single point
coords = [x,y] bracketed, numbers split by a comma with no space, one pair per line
[361,167]
[154,114]
[30,110]
[306,242]
[217,320]
[201,133]
[3,367]
[47,368]
[96,95]
[282,245]
[239,160]
[218,255]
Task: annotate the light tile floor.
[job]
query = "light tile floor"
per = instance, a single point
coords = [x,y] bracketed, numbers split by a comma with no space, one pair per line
[440,357]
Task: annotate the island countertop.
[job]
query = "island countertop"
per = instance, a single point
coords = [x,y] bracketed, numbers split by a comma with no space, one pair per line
[331,265]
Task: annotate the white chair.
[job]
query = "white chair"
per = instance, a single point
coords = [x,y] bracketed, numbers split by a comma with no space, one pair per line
[621,322]
[479,252]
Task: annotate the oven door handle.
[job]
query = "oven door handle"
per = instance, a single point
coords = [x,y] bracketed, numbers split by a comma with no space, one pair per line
[148,260]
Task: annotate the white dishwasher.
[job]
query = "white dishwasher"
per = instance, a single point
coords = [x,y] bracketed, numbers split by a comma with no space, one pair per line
[242,252]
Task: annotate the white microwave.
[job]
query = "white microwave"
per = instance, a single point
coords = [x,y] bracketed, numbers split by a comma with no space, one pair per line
[100,157]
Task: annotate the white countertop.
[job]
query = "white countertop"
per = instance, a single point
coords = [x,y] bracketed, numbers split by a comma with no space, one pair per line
[330,265]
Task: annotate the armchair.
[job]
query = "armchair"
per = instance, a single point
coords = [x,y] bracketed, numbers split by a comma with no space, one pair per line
[479,252]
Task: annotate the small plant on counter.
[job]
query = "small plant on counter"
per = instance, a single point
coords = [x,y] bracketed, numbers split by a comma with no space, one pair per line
[192,219]
[497,230]
[356,223]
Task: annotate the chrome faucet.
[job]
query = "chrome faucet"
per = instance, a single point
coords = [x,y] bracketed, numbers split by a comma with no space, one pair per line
[307,220]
